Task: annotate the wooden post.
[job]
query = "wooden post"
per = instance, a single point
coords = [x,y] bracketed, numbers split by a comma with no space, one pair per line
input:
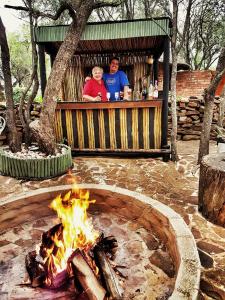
[41,54]
[155,69]
[52,58]
[166,80]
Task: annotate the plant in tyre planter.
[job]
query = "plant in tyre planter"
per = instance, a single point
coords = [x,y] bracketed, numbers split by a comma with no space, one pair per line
[31,163]
[45,158]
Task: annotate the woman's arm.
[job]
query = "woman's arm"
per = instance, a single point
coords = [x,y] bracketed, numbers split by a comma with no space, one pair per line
[89,98]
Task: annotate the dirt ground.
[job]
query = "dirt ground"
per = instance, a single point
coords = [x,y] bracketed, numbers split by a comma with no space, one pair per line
[174,185]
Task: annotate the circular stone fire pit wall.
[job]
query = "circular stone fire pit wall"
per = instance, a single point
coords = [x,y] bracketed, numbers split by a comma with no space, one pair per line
[149,213]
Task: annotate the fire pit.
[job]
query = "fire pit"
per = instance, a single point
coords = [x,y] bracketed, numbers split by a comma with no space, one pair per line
[140,224]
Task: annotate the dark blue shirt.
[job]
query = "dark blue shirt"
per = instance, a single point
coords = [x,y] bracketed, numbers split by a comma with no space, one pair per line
[115,83]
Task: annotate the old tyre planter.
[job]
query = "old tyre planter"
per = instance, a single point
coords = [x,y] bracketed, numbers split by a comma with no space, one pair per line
[212,188]
[35,168]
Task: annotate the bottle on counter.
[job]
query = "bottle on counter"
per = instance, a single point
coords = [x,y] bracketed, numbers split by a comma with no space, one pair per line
[156,92]
[129,94]
[137,95]
[150,91]
[144,94]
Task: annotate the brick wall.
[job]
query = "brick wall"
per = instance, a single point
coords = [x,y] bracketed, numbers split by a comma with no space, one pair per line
[192,83]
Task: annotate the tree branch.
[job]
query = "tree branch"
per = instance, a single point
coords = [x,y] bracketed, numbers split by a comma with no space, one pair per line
[99,4]
[36,13]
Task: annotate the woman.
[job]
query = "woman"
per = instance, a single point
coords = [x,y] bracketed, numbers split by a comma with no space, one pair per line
[94,89]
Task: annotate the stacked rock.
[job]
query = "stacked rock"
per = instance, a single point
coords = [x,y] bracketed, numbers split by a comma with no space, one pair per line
[190,114]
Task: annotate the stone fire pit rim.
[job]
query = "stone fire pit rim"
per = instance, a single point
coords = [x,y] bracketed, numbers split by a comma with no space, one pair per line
[188,273]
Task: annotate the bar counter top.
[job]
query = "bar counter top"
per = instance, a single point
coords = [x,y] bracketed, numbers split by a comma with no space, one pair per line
[107,105]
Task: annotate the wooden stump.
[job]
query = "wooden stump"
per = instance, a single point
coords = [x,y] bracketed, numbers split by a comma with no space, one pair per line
[212,188]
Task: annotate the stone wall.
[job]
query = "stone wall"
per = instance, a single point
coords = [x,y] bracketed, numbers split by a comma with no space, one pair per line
[190,114]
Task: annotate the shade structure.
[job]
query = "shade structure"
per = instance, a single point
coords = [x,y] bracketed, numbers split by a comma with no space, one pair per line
[133,42]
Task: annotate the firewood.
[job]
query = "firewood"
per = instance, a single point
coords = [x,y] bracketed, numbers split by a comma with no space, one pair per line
[109,278]
[48,245]
[86,277]
[108,244]
[34,269]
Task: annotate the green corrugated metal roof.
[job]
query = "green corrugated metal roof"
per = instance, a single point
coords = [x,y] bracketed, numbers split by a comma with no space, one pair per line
[108,31]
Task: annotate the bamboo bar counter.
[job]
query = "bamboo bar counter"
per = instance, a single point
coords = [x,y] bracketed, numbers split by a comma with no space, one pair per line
[113,127]
[132,126]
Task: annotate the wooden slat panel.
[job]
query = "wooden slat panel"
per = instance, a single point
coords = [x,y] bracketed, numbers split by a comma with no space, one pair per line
[90,125]
[152,127]
[80,129]
[123,128]
[146,128]
[157,132]
[101,129]
[135,128]
[69,127]
[112,130]
[58,126]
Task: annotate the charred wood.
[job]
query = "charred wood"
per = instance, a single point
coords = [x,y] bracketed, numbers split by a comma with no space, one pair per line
[34,269]
[108,275]
[48,245]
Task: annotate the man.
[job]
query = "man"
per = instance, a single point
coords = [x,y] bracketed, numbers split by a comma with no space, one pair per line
[116,81]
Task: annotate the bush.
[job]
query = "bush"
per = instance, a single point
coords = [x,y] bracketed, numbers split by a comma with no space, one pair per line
[38,99]
[17,93]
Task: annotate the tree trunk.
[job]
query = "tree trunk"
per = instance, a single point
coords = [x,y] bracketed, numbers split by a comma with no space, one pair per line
[174,155]
[208,112]
[221,108]
[24,112]
[206,127]
[14,141]
[43,130]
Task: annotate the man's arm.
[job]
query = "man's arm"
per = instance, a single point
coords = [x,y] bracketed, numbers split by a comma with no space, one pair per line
[124,83]
[125,92]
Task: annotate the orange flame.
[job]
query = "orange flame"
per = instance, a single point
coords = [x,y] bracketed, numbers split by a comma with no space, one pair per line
[77,231]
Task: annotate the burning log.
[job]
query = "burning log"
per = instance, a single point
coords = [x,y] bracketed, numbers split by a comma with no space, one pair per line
[108,275]
[85,275]
[35,270]
[48,245]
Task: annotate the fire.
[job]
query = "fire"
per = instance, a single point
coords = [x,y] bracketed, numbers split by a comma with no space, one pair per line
[77,229]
